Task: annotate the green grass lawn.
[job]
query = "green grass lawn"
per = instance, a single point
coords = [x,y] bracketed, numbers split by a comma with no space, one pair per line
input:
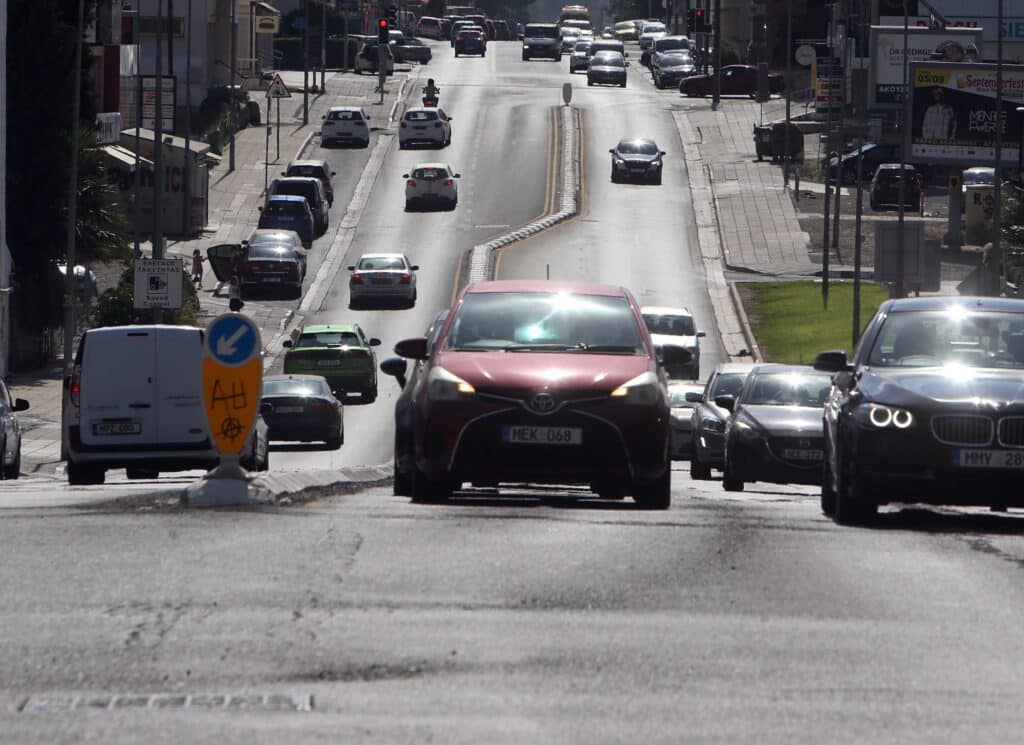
[790,323]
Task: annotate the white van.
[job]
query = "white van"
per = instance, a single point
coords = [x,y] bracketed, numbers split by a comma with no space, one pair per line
[134,401]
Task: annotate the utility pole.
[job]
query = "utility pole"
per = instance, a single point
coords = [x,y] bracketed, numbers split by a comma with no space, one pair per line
[136,206]
[995,258]
[69,275]
[170,39]
[862,123]
[232,120]
[305,65]
[323,47]
[186,220]
[829,141]
[901,244]
[716,96]
[789,85]
[158,159]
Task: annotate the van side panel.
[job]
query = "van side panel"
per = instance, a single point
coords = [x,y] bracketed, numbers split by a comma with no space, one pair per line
[117,394]
[181,417]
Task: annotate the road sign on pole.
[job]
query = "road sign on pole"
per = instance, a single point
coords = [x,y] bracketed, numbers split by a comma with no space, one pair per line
[278,89]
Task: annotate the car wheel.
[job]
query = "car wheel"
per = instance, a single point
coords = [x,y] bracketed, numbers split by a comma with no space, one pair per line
[81,475]
[657,182]
[852,506]
[874,204]
[849,177]
[402,145]
[11,470]
[623,84]
[729,480]
[526,58]
[615,179]
[589,81]
[368,397]
[402,484]
[335,442]
[137,474]
[483,54]
[828,494]
[698,471]
[456,53]
[452,204]
[659,85]
[422,489]
[655,494]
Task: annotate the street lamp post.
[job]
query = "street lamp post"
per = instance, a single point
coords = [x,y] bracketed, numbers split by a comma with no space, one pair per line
[901,238]
[1020,149]
[69,275]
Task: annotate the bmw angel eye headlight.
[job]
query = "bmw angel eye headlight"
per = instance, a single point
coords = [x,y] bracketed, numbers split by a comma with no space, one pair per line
[880,416]
[445,386]
[643,389]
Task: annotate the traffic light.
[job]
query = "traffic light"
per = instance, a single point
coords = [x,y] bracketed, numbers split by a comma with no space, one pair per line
[383,25]
[392,15]
[700,21]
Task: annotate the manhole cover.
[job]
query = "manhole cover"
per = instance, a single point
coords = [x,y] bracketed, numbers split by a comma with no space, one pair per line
[231,702]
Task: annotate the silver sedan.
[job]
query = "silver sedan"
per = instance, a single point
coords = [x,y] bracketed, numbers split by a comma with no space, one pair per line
[382,277]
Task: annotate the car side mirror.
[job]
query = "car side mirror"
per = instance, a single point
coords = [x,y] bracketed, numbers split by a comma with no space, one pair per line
[726,402]
[20,404]
[374,342]
[611,150]
[260,208]
[334,173]
[395,367]
[283,173]
[833,361]
[458,175]
[672,355]
[405,175]
[287,344]
[692,397]
[324,118]
[412,349]
[351,268]
[415,267]
[700,334]
[661,152]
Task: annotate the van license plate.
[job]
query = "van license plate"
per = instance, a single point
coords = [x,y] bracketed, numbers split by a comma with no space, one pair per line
[117,428]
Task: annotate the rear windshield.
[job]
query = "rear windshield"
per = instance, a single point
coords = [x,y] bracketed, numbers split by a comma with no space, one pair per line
[270,251]
[624,25]
[546,322]
[666,324]
[979,177]
[307,171]
[429,22]
[662,44]
[547,32]
[328,339]
[789,389]
[893,174]
[381,262]
[277,207]
[654,28]
[345,116]
[298,188]
[429,174]
[420,116]
[295,387]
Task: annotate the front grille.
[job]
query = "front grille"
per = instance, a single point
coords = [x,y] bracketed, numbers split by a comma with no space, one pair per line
[1011,432]
[966,430]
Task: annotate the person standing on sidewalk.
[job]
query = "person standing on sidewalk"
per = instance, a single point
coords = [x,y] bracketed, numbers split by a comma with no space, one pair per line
[197,268]
[235,303]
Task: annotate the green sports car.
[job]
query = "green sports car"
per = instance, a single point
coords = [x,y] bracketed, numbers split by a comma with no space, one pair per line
[342,353]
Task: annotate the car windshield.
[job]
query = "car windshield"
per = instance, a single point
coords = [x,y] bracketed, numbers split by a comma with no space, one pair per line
[294,388]
[546,32]
[328,339]
[381,262]
[789,389]
[669,324]
[955,337]
[344,116]
[727,384]
[420,116]
[546,321]
[609,59]
[637,147]
[429,174]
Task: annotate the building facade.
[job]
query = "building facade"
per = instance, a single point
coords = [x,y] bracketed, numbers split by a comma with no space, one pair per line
[5,254]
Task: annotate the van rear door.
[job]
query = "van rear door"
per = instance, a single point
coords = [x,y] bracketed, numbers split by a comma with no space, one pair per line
[118,406]
[181,418]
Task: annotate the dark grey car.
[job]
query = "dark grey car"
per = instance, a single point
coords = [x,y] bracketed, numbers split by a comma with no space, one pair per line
[310,188]
[708,418]
[10,433]
[607,68]
[636,160]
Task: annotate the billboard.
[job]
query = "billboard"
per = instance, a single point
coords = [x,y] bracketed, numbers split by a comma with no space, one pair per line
[885,73]
[953,114]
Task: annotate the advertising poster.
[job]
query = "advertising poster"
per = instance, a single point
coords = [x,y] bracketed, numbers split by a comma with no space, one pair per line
[885,73]
[953,116]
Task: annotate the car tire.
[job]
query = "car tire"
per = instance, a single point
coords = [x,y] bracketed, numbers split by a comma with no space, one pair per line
[423,490]
[368,397]
[483,54]
[335,442]
[655,494]
[828,494]
[402,145]
[452,205]
[699,471]
[657,182]
[852,507]
[401,483]
[590,82]
[366,143]
[81,475]
[12,470]
[729,480]
[874,204]
[659,85]
[456,53]
[140,474]
[623,84]
[526,58]
[849,177]
[615,179]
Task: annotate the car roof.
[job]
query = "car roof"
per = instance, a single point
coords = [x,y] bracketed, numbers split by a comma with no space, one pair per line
[776,367]
[728,368]
[345,108]
[896,166]
[328,328]
[392,255]
[980,169]
[308,163]
[430,165]
[422,108]
[274,235]
[664,310]
[293,179]
[905,305]
[544,24]
[296,377]
[546,286]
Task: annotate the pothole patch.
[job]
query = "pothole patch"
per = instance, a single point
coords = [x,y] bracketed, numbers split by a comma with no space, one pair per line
[166,701]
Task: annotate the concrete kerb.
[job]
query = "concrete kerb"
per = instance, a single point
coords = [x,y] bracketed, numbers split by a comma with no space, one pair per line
[748,332]
[481,262]
[735,333]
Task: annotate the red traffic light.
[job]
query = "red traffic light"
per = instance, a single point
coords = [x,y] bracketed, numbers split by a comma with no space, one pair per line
[699,13]
[383,23]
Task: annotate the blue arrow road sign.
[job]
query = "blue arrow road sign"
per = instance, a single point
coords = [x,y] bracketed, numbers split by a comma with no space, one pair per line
[232,339]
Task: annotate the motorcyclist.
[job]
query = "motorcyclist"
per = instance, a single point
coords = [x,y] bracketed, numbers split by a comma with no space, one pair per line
[430,90]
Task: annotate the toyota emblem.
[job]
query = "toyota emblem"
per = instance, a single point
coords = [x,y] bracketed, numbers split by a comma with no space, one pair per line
[542,403]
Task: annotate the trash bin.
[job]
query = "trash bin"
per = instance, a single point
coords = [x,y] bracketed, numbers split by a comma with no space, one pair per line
[763,140]
[795,153]
[254,112]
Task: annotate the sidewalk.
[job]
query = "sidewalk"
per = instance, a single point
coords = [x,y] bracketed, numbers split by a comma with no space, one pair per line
[234,199]
[759,228]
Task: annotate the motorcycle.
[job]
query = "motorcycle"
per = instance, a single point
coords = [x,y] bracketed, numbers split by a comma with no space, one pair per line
[430,100]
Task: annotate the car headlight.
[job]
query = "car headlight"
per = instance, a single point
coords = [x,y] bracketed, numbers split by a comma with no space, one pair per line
[746,429]
[880,416]
[714,425]
[653,165]
[445,386]
[644,389]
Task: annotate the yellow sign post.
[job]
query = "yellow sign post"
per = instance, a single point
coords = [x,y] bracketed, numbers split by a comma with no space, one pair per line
[232,381]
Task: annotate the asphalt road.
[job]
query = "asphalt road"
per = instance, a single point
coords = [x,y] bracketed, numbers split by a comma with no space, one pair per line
[526,617]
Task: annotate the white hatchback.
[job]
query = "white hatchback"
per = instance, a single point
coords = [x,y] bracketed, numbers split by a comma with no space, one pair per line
[349,124]
[382,276]
[425,126]
[431,183]
[675,326]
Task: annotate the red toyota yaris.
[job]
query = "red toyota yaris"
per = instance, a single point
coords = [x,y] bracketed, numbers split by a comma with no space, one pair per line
[536,382]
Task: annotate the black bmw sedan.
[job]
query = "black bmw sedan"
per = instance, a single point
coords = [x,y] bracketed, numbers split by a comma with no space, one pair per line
[774,430]
[638,160]
[302,407]
[929,410]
